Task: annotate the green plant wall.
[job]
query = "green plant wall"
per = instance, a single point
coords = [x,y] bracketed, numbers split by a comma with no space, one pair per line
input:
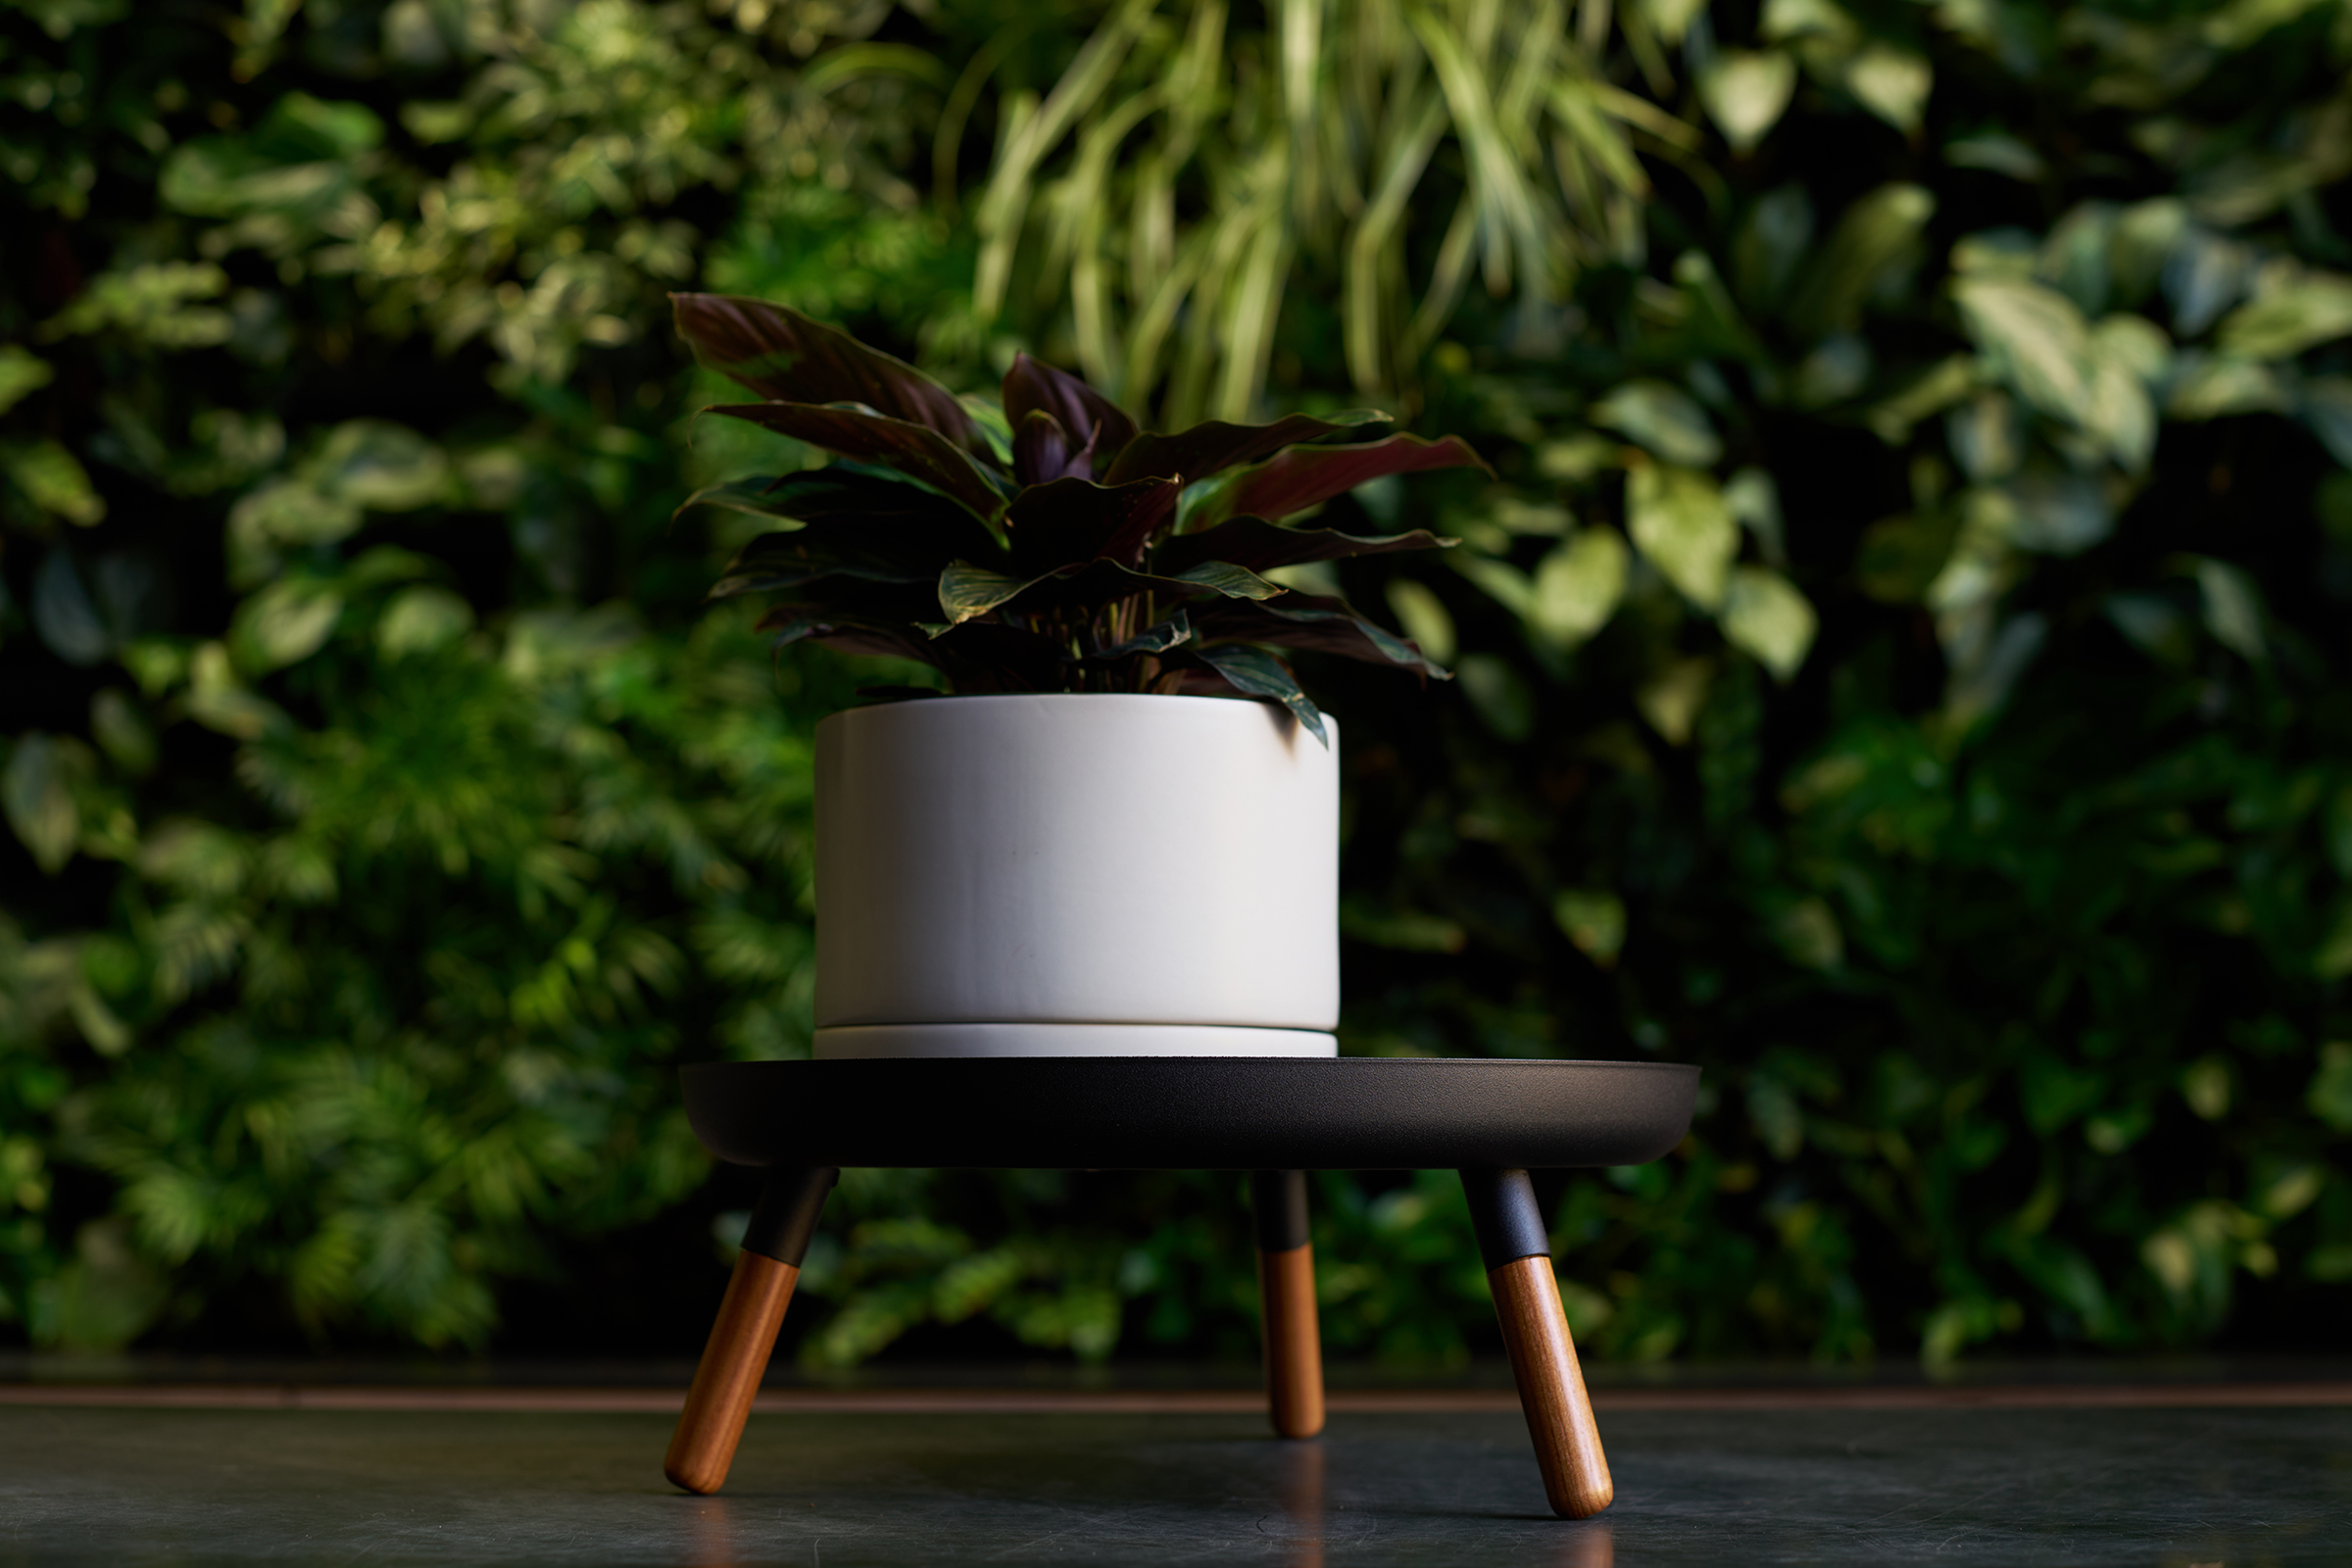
[1900,666]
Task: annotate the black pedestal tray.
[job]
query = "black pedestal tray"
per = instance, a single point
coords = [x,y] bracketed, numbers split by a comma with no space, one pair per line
[1277,1117]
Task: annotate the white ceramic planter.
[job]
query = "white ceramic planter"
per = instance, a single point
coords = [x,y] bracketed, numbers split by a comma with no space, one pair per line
[1076,875]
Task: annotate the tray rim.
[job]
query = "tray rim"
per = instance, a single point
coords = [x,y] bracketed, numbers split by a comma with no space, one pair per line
[1218,1076]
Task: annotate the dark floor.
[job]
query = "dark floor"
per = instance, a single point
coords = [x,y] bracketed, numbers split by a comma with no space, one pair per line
[2158,1487]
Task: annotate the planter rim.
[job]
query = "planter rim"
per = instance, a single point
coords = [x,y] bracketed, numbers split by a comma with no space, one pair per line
[1066,697]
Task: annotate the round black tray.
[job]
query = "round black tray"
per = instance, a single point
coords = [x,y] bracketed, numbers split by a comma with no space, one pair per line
[1190,1112]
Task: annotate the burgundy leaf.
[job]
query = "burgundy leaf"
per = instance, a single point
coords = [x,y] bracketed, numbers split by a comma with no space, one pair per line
[844,595]
[1043,450]
[1294,480]
[794,623]
[914,450]
[1173,632]
[1210,448]
[1033,386]
[781,354]
[989,657]
[867,522]
[1071,520]
[967,591]
[1302,621]
[1261,546]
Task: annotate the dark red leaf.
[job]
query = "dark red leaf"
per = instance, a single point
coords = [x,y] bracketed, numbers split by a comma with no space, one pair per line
[1211,447]
[1303,620]
[794,623]
[862,522]
[989,657]
[1303,477]
[1261,546]
[914,450]
[1043,450]
[1091,419]
[983,658]
[967,591]
[1070,521]
[781,354]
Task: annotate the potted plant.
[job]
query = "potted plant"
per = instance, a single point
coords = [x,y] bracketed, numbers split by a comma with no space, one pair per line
[989,864]
[1095,597]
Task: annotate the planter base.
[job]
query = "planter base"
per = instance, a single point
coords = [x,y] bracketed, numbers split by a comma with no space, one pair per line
[855,1041]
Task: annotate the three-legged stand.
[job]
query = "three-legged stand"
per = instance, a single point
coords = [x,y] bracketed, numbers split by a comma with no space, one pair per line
[1511,1241]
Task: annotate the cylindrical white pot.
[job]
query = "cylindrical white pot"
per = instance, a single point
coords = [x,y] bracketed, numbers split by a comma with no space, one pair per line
[1090,875]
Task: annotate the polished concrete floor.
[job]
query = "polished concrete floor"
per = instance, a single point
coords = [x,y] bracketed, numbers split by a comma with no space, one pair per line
[2129,1486]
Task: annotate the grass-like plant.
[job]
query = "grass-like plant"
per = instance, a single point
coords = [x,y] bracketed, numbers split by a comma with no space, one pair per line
[1045,544]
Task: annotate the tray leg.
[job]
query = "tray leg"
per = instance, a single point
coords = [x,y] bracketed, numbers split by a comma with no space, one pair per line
[1286,1296]
[736,1357]
[1517,1253]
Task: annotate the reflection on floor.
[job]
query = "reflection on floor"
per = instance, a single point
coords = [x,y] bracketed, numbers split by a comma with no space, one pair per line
[1836,1485]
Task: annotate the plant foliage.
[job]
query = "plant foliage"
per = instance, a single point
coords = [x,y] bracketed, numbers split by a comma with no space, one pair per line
[1045,544]
[1900,644]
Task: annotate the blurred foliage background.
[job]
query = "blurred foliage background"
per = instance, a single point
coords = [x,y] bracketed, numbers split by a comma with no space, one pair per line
[1902,663]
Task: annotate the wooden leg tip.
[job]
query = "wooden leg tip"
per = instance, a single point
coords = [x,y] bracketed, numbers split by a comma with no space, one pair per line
[702,1485]
[1584,1505]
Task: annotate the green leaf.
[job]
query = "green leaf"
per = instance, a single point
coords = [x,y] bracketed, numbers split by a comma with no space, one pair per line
[2330,1096]
[2059,512]
[1876,233]
[1254,672]
[284,624]
[1498,695]
[20,374]
[1592,919]
[1663,418]
[421,618]
[39,799]
[2033,335]
[781,354]
[918,450]
[379,466]
[149,305]
[2233,608]
[1900,557]
[2326,407]
[1745,92]
[1891,83]
[2282,320]
[1763,614]
[53,480]
[1424,617]
[1681,523]
[66,616]
[2212,386]
[1577,587]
